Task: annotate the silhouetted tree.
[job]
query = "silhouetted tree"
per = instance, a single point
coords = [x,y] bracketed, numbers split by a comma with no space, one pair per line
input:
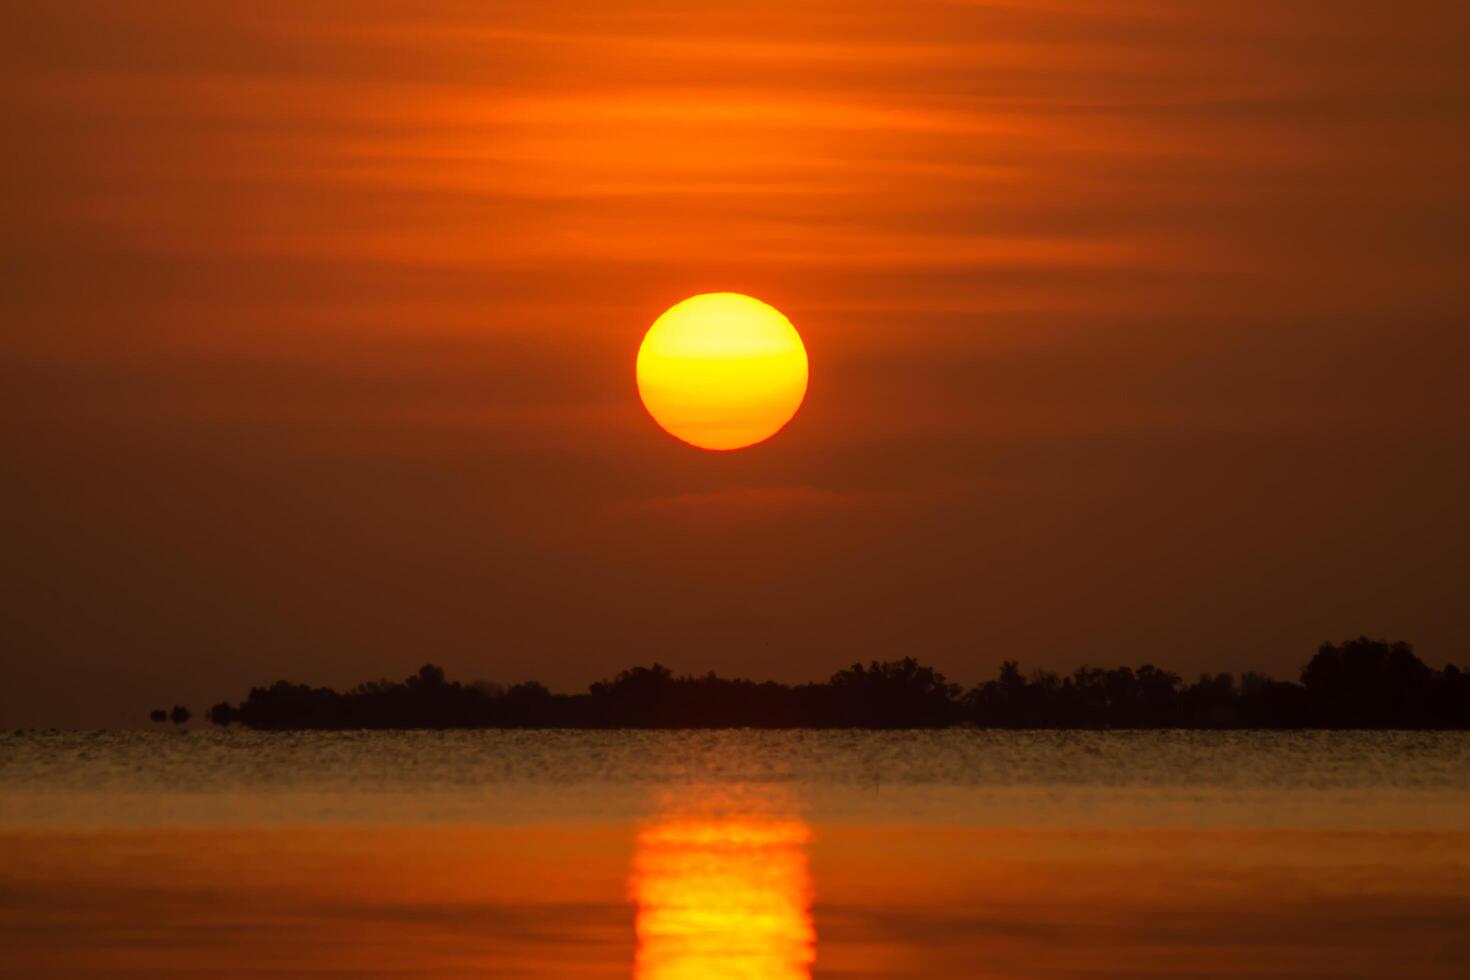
[1367,683]
[429,676]
[893,694]
[1211,702]
[158,714]
[1449,698]
[634,698]
[179,715]
[1362,683]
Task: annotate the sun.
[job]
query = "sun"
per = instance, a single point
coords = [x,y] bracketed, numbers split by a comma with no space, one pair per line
[722,371]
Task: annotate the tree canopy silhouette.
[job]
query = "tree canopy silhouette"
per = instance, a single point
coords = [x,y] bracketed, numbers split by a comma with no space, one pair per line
[1367,682]
[1361,683]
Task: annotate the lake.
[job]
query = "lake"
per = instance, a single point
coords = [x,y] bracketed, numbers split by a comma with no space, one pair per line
[730,854]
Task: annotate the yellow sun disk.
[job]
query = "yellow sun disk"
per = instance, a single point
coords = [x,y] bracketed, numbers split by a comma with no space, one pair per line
[722,371]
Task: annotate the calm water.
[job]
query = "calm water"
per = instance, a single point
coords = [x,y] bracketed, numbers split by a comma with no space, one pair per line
[662,856]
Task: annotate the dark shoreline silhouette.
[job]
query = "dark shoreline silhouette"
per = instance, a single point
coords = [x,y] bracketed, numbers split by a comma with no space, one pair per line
[1362,683]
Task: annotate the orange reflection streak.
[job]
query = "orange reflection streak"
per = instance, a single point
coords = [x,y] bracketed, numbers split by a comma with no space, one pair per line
[724,898]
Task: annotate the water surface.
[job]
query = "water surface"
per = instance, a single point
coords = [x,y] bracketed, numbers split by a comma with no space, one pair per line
[667,855]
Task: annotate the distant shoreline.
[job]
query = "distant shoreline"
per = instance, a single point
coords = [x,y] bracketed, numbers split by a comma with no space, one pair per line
[963,726]
[1359,684]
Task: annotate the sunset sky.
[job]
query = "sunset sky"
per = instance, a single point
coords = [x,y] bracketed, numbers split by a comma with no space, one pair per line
[1137,333]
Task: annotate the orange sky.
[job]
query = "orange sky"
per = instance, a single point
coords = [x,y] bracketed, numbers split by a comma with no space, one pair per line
[1137,332]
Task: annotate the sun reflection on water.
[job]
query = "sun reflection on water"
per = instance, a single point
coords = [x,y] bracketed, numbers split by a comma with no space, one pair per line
[723,898]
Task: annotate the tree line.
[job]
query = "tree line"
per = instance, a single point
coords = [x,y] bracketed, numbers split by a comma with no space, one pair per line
[1362,683]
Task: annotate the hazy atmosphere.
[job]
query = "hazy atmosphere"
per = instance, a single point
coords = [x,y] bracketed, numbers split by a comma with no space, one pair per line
[1137,333]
